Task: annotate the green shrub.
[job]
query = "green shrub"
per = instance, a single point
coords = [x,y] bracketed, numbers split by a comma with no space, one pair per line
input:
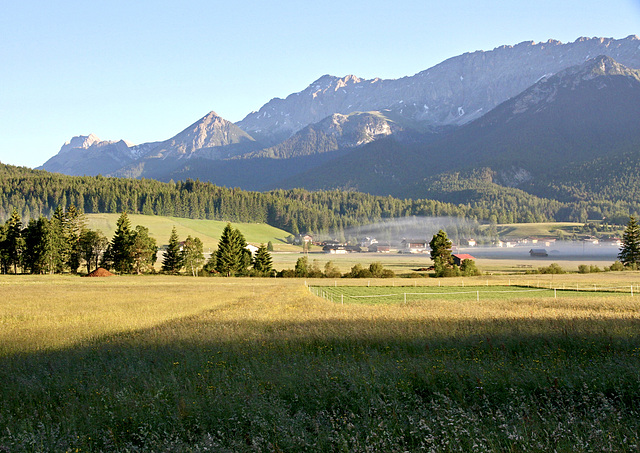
[616,266]
[553,268]
[468,268]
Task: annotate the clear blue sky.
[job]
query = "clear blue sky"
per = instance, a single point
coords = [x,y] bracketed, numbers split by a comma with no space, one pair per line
[144,70]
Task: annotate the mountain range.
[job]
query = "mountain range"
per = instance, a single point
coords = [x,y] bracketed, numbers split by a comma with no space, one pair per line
[545,118]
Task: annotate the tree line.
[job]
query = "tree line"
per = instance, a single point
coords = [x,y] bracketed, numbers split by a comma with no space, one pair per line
[36,193]
[63,243]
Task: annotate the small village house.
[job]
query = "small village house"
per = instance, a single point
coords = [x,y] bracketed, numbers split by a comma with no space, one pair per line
[415,246]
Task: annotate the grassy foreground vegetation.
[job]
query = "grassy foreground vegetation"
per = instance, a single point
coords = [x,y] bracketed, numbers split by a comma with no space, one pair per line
[184,364]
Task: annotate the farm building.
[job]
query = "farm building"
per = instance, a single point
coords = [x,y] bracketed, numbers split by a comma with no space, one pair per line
[379,248]
[458,258]
[415,246]
[538,252]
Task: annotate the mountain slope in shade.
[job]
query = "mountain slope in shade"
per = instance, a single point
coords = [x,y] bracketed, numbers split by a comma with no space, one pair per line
[456,91]
[531,141]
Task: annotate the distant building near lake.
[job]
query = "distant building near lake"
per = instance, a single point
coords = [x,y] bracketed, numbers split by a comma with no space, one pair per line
[379,248]
[415,246]
[538,252]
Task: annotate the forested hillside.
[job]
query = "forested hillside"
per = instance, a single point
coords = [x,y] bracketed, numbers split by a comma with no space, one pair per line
[472,195]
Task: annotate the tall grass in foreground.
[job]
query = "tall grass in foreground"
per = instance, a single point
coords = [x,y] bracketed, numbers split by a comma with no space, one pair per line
[180,364]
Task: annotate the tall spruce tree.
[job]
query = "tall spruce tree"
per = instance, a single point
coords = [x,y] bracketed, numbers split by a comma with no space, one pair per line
[121,246]
[630,251]
[262,262]
[232,257]
[13,243]
[172,261]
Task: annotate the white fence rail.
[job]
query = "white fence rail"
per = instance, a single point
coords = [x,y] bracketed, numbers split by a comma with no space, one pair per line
[334,294]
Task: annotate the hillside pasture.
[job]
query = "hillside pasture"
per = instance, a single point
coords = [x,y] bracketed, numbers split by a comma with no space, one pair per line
[208,231]
[164,363]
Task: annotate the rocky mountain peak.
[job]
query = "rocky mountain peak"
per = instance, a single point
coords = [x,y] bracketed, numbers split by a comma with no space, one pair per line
[79,141]
[454,92]
[546,89]
[204,138]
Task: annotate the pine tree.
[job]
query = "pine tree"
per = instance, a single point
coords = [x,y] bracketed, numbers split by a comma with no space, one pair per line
[192,256]
[121,246]
[172,261]
[441,253]
[13,243]
[630,251]
[232,257]
[262,262]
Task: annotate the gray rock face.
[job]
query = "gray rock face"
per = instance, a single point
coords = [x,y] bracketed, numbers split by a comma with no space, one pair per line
[88,155]
[211,137]
[334,132]
[453,92]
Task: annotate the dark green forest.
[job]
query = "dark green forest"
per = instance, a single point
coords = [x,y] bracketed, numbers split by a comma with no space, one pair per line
[36,193]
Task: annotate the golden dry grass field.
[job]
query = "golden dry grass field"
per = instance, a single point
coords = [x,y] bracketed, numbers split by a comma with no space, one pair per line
[165,363]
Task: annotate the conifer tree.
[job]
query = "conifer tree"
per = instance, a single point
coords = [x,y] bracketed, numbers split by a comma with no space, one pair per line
[13,243]
[121,246]
[232,257]
[262,262]
[172,261]
[630,251]
[441,253]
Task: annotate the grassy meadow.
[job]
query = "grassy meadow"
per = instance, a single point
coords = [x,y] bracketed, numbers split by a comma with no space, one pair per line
[209,231]
[165,363]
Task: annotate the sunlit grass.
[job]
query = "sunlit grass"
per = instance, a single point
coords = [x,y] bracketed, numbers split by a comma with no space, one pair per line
[183,364]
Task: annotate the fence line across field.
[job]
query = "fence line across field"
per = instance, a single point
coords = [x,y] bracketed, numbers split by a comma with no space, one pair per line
[329,295]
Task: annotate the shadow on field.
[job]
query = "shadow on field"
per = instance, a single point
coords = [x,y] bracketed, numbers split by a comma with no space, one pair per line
[235,385]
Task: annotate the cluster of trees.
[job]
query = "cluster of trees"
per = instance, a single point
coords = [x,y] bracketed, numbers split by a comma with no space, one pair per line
[63,243]
[233,258]
[188,255]
[443,260]
[48,246]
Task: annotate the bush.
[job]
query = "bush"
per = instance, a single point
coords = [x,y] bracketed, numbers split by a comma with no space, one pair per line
[468,268]
[616,266]
[331,271]
[387,273]
[552,268]
[357,271]
[287,273]
[589,269]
